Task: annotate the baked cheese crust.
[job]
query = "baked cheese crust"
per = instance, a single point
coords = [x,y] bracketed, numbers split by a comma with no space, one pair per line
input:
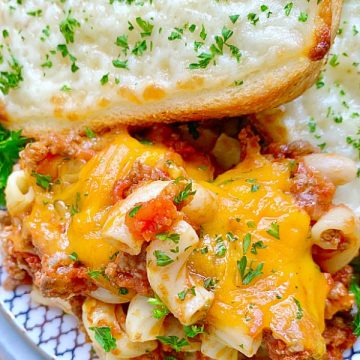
[100,63]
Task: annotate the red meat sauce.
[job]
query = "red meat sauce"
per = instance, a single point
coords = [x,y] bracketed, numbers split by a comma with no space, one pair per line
[311,190]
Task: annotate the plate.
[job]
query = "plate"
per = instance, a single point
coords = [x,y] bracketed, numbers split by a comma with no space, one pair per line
[56,334]
[53,333]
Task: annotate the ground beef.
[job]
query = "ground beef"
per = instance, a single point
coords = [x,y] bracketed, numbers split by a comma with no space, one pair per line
[61,277]
[311,191]
[130,272]
[51,146]
[20,266]
[339,298]
[138,174]
[17,269]
[277,349]
[338,336]
[171,137]
[291,151]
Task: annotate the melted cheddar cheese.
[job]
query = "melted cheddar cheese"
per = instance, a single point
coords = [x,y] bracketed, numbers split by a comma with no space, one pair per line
[70,219]
[256,219]
[289,296]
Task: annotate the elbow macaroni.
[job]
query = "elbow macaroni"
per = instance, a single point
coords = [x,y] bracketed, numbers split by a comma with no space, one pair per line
[202,207]
[212,347]
[108,297]
[19,194]
[98,314]
[234,337]
[140,324]
[342,219]
[170,280]
[338,169]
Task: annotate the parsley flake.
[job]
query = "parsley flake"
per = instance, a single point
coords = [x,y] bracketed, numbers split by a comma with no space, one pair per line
[104,337]
[173,341]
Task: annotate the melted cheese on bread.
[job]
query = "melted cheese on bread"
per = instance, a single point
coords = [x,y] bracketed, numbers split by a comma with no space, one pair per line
[92,62]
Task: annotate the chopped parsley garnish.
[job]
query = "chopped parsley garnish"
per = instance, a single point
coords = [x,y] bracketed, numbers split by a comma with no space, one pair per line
[246,243]
[145,26]
[63,49]
[11,143]
[35,13]
[253,18]
[184,194]
[122,42]
[288,7]
[176,34]
[68,27]
[256,246]
[74,256]
[182,294]
[248,274]
[193,330]
[123,291]
[303,16]
[174,342]
[94,274]
[104,337]
[171,237]
[134,210]
[75,207]
[274,230]
[234,18]
[251,224]
[203,33]
[355,290]
[203,61]
[104,79]
[139,48]
[334,60]
[231,237]
[320,82]
[162,259]
[65,88]
[220,248]
[204,250]
[89,133]
[160,309]
[299,312]
[11,79]
[210,283]
[120,64]
[43,181]
[255,187]
[47,63]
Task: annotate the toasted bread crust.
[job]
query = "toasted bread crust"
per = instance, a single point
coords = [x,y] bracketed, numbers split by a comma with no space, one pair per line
[263,91]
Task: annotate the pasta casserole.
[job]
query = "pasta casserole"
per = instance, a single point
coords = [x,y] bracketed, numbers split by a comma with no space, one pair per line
[196,241]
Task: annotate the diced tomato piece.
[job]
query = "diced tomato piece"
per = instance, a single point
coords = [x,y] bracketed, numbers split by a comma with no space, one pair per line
[153,217]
